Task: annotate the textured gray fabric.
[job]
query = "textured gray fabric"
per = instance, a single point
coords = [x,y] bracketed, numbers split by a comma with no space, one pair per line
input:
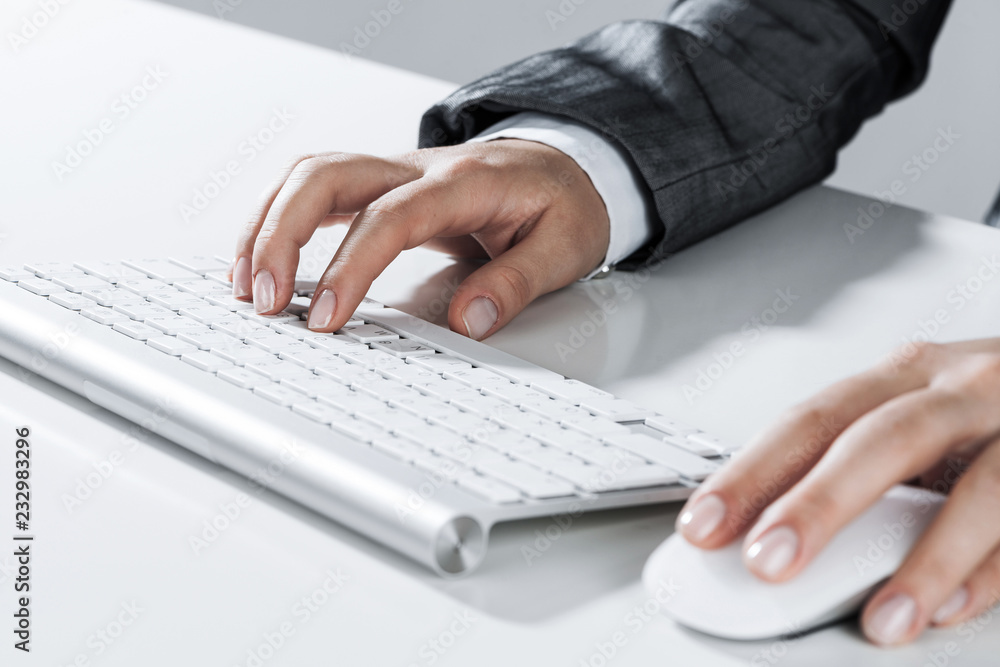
[726,106]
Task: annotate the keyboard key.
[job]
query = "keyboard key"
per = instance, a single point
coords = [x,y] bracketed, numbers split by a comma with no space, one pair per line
[204,314]
[458,346]
[618,410]
[202,288]
[355,428]
[517,394]
[606,456]
[111,272]
[488,489]
[403,348]
[476,377]
[351,402]
[420,405]
[573,391]
[599,480]
[439,363]
[200,264]
[272,341]
[720,447]
[220,277]
[71,301]
[594,425]
[39,286]
[136,330]
[276,370]
[687,464]
[112,296]
[332,342]
[324,414]
[310,358]
[513,418]
[142,310]
[470,400]
[267,320]
[391,419]
[669,426]
[528,479]
[313,386]
[297,329]
[380,388]
[237,327]
[284,348]
[80,281]
[205,340]
[243,378]
[241,354]
[369,358]
[397,447]
[204,361]
[229,302]
[11,274]
[546,458]
[299,305]
[276,393]
[344,374]
[103,315]
[171,345]
[440,466]
[173,325]
[175,300]
[160,269]
[460,422]
[49,270]
[368,333]
[144,287]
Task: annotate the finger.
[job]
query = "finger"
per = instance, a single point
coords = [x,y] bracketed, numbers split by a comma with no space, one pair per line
[458,246]
[241,273]
[729,501]
[492,295]
[960,540]
[894,442]
[317,187]
[404,218]
[981,591]
[338,219]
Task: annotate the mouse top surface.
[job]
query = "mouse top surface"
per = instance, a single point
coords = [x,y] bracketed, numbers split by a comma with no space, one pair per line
[713,592]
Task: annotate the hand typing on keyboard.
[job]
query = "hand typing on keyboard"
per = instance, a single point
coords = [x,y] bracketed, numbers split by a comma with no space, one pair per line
[526,206]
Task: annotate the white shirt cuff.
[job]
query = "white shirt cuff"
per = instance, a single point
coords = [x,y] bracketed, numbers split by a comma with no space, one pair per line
[610,170]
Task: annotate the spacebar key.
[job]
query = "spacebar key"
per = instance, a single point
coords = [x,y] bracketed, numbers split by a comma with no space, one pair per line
[531,481]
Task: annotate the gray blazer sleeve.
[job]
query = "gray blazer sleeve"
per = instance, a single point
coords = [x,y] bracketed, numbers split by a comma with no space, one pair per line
[725,106]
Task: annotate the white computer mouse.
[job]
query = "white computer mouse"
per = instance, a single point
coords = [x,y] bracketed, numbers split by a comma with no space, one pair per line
[713,592]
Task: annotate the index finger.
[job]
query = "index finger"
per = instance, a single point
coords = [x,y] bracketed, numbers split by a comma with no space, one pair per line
[406,218]
[315,188]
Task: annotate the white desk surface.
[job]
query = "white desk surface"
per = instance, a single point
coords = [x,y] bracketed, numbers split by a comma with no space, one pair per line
[129,541]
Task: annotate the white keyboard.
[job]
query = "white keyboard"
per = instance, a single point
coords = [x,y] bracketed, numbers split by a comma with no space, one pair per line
[515,437]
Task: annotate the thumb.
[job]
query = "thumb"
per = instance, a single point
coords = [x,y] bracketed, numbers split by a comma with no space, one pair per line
[496,292]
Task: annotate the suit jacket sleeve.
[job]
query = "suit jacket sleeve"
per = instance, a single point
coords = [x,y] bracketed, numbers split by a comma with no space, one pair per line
[726,107]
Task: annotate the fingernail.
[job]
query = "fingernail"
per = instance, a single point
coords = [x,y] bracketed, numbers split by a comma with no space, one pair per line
[321,312]
[263,291]
[241,278]
[701,520]
[952,606]
[773,552]
[892,620]
[479,317]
